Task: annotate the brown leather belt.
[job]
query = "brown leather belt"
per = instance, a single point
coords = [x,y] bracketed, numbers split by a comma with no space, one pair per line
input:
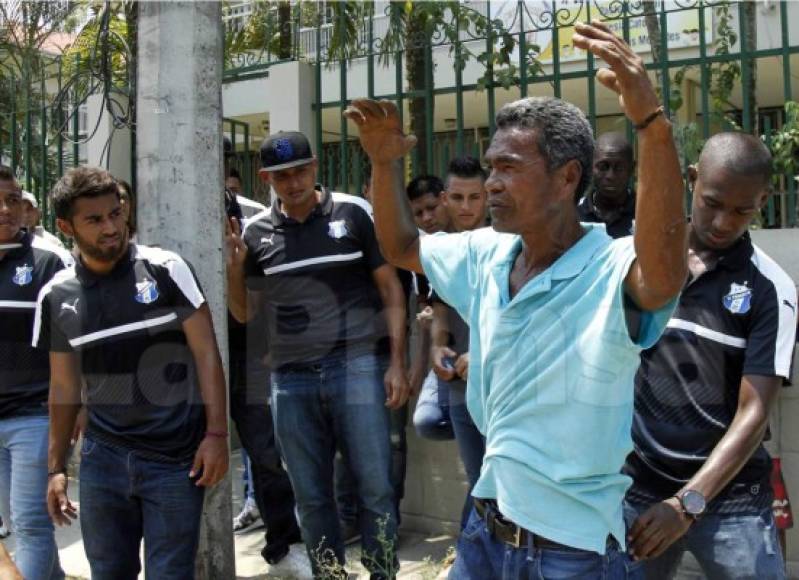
[506,531]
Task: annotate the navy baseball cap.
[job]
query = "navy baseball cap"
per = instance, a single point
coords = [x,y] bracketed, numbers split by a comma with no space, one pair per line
[284,150]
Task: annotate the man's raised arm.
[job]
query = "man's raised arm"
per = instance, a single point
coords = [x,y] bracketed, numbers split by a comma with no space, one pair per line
[661,242]
[385,144]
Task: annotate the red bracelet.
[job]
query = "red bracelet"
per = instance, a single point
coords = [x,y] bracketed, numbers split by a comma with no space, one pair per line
[221,434]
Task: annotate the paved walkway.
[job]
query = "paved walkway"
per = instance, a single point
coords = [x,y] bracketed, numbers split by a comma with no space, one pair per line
[420,556]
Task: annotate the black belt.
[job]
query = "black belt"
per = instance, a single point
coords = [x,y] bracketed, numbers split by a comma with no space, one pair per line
[506,531]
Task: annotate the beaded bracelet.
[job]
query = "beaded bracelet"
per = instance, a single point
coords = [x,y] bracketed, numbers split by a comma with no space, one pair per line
[646,122]
[221,434]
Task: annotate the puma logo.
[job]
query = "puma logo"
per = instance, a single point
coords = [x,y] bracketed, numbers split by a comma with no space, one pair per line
[73,307]
[270,241]
[789,305]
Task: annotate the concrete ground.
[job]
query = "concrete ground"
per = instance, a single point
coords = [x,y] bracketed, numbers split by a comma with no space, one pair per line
[420,557]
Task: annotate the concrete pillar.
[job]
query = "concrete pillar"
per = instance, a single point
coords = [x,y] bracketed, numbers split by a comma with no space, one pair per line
[179,170]
[291,98]
[110,147]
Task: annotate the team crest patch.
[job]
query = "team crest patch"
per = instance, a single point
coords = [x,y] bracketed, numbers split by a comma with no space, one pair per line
[739,300]
[146,291]
[284,150]
[337,229]
[24,275]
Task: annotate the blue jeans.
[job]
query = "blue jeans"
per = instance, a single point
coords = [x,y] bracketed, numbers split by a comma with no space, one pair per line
[345,485]
[431,418]
[726,546]
[482,557]
[23,462]
[124,498]
[338,403]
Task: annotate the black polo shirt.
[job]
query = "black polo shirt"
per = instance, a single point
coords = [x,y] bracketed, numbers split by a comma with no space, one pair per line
[126,328]
[623,223]
[739,318]
[25,269]
[315,280]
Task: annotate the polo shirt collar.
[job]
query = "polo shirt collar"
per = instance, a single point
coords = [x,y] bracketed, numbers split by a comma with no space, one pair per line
[323,208]
[736,256]
[122,267]
[569,265]
[627,210]
[18,248]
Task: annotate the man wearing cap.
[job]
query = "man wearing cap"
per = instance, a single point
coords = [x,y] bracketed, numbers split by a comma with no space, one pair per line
[27,264]
[335,318]
[31,216]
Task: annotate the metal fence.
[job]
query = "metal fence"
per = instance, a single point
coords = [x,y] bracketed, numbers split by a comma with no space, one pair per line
[710,55]
[709,52]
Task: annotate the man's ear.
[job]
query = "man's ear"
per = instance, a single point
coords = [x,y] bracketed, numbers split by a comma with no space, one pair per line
[263,174]
[570,172]
[65,226]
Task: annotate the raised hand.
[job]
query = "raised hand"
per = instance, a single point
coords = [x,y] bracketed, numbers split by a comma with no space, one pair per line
[627,75]
[380,130]
[235,248]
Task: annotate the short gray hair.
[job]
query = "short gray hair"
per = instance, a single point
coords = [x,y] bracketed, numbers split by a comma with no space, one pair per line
[564,133]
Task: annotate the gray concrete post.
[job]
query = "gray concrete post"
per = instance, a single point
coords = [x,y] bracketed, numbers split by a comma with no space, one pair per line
[179,171]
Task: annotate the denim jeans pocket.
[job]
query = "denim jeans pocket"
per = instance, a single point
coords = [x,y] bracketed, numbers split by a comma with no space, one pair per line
[87,446]
[474,526]
[768,526]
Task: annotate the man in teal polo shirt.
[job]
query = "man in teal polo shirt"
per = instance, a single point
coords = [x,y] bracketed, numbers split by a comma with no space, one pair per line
[558,314]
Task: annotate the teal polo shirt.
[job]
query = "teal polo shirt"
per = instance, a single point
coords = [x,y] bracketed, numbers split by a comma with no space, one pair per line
[550,377]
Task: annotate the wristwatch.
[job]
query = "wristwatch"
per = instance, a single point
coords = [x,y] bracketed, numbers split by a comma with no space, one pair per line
[693,503]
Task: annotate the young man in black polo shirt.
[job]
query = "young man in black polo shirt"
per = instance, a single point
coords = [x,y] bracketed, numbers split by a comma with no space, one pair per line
[312,263]
[703,393]
[611,200]
[27,264]
[130,322]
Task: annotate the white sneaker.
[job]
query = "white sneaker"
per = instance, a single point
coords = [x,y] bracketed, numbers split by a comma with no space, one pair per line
[248,517]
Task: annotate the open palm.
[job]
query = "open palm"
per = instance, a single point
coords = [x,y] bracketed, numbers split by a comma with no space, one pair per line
[380,130]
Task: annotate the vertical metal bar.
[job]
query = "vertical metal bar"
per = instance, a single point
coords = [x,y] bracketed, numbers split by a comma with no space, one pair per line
[590,78]
[625,27]
[458,83]
[358,171]
[343,145]
[704,81]
[14,136]
[28,128]
[370,58]
[490,73]
[444,160]
[745,72]
[318,92]
[247,161]
[790,196]
[664,62]
[522,51]
[398,73]
[296,31]
[771,210]
[60,122]
[233,139]
[42,185]
[75,117]
[429,101]
[555,49]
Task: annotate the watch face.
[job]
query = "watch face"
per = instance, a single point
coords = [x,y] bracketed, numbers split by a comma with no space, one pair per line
[693,502]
